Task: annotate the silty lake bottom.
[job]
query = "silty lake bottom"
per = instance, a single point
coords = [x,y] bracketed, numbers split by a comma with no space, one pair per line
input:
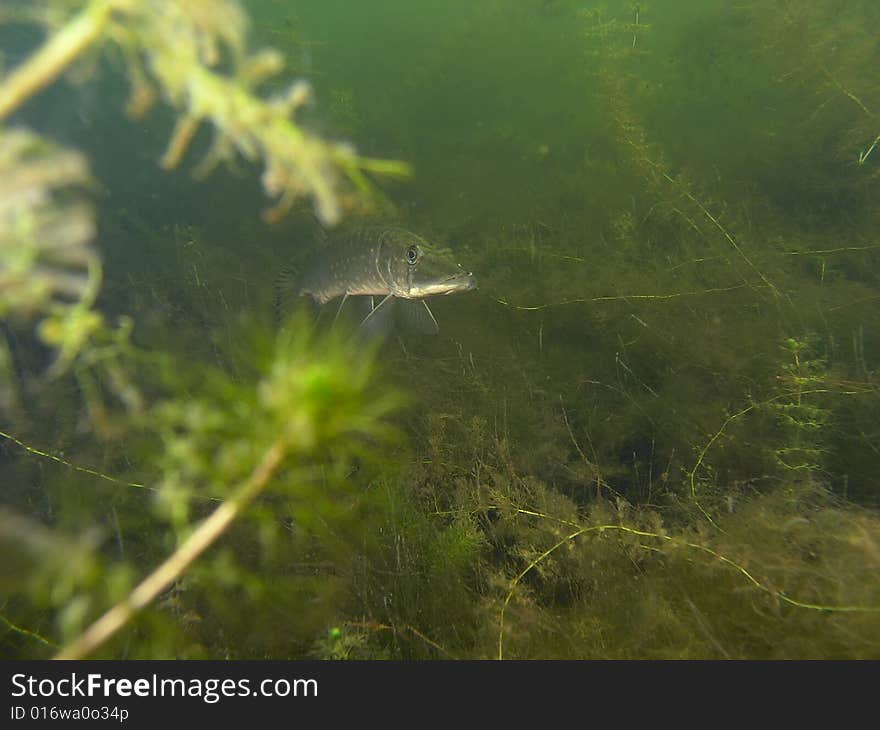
[650,432]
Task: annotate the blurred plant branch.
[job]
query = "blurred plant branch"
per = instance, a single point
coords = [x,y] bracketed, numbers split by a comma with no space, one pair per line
[313,393]
[181,48]
[169,571]
[48,267]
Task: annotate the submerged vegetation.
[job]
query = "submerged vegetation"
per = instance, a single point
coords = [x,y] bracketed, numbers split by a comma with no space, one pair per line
[651,433]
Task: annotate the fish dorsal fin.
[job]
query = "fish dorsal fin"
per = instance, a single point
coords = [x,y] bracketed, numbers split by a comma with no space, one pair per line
[380,320]
[415,315]
[319,233]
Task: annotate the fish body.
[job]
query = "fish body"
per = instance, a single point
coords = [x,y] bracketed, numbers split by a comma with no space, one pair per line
[389,263]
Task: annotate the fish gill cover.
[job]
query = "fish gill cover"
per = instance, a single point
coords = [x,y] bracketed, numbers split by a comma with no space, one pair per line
[650,433]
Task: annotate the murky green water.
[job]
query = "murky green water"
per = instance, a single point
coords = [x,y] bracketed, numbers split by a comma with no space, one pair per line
[650,432]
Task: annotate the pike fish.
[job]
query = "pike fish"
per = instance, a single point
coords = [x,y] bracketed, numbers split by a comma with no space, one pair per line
[386,271]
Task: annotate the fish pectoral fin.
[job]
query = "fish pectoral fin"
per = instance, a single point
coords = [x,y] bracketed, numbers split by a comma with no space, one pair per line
[360,306]
[380,320]
[339,308]
[415,315]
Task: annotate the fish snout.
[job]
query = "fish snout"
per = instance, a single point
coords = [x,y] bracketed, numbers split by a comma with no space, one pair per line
[463,280]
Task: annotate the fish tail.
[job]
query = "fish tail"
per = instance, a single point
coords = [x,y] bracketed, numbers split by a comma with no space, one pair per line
[286,292]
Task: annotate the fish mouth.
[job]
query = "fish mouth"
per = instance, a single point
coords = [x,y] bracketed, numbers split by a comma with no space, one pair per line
[460,281]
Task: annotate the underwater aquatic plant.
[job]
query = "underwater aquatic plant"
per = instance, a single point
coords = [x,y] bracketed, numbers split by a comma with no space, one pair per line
[224,443]
[45,240]
[313,394]
[624,465]
[178,50]
[48,267]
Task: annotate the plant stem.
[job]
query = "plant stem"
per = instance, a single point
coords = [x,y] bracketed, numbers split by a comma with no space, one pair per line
[204,535]
[56,54]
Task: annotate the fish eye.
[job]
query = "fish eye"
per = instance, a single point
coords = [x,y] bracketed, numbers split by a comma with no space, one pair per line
[412,255]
